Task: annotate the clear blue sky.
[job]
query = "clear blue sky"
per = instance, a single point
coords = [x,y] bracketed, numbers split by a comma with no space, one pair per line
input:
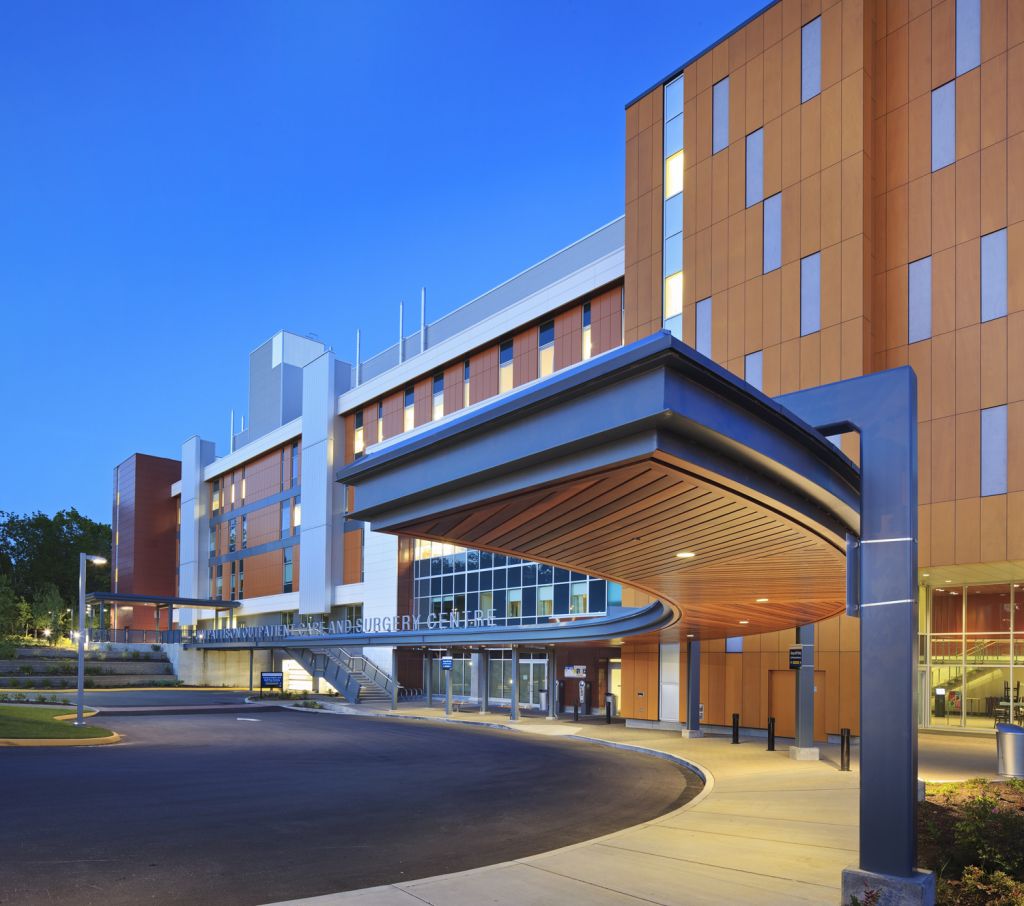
[181,180]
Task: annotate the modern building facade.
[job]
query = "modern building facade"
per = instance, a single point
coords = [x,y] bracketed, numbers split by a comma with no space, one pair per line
[830,190]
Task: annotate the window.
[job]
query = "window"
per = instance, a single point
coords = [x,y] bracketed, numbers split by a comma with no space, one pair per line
[380,420]
[505,367]
[241,579]
[919,300]
[295,464]
[578,597]
[673,228]
[755,167]
[358,443]
[219,593]
[215,496]
[297,512]
[771,222]
[286,572]
[673,295]
[243,485]
[810,294]
[437,398]
[545,600]
[245,532]
[587,342]
[943,126]
[465,383]
[720,116]
[993,275]
[231,536]
[674,174]
[213,540]
[546,349]
[703,327]
[234,581]
[286,518]
[993,451]
[753,370]
[672,220]
[409,410]
[734,644]
[810,60]
[673,117]
[515,603]
[968,35]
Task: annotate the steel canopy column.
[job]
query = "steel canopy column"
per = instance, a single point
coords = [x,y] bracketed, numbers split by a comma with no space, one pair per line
[804,748]
[883,408]
[428,678]
[394,678]
[692,729]
[552,685]
[485,678]
[250,668]
[514,713]
[447,690]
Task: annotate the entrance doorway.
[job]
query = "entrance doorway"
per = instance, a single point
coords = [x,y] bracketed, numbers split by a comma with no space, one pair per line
[782,702]
[533,676]
[615,683]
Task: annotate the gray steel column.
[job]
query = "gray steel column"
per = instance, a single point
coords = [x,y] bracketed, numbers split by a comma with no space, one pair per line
[394,678]
[447,691]
[514,713]
[692,689]
[805,689]
[883,407]
[552,685]
[428,678]
[251,654]
[485,678]
[80,700]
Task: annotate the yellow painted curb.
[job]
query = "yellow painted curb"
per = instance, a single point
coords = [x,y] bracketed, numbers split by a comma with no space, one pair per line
[94,741]
[89,712]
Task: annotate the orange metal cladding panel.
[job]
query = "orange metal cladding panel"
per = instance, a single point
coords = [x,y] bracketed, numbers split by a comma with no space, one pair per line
[369,423]
[353,557]
[264,574]
[263,474]
[640,680]
[421,404]
[406,551]
[569,337]
[350,432]
[524,361]
[606,320]
[263,525]
[453,393]
[393,413]
[483,375]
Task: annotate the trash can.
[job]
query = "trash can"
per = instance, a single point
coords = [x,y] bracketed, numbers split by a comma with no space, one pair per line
[1010,750]
[543,693]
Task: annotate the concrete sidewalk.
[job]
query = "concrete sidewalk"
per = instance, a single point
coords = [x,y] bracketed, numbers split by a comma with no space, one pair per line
[766,830]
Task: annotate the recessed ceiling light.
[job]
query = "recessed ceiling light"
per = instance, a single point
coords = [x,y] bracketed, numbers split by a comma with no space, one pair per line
[685,555]
[762,600]
[744,622]
[948,581]
[926,575]
[689,635]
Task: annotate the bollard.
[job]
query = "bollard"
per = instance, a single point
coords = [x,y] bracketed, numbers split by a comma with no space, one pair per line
[607,711]
[576,712]
[844,749]
[735,729]
[771,734]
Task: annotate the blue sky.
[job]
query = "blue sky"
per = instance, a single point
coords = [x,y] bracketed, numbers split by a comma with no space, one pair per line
[181,180]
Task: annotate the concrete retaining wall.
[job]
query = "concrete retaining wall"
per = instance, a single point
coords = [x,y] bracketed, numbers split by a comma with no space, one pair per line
[200,667]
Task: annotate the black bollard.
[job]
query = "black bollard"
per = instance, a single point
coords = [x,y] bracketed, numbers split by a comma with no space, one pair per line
[608,711]
[771,734]
[844,749]
[735,729]
[576,712]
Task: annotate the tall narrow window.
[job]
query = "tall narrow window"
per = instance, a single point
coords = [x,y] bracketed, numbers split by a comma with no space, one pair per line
[241,579]
[232,535]
[286,572]
[545,600]
[993,451]
[220,581]
[465,383]
[720,116]
[810,294]
[437,398]
[234,587]
[578,597]
[546,349]
[515,603]
[215,496]
[409,410]
[703,327]
[297,513]
[771,218]
[753,370]
[286,518]
[993,275]
[919,300]
[943,126]
[295,464]
[245,532]
[587,343]
[672,214]
[358,442]
[968,35]
[755,167]
[505,367]
[810,60]
[380,420]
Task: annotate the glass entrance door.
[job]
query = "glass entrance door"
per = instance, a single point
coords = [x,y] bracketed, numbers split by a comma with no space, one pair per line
[533,674]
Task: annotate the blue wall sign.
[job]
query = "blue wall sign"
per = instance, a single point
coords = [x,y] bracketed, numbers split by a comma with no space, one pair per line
[446,663]
[272,679]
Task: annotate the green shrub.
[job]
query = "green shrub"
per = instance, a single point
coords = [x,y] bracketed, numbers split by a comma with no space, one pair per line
[978,888]
[7,649]
[155,647]
[989,836]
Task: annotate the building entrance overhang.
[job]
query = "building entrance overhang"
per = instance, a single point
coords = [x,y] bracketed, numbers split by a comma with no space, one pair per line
[649,465]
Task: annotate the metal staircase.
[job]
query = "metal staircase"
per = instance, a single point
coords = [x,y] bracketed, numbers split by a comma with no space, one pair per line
[357,678]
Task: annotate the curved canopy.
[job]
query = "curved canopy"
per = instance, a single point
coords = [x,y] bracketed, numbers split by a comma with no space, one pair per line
[650,466]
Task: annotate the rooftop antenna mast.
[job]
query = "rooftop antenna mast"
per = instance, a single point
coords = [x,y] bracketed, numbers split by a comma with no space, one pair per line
[401,331]
[423,318]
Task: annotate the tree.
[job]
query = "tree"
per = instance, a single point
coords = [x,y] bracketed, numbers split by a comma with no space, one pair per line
[48,610]
[14,612]
[36,550]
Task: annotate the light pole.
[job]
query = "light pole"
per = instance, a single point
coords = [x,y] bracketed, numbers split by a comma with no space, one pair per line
[83,560]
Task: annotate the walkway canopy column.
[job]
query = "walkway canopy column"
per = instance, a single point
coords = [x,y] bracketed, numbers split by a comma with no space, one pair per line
[692,729]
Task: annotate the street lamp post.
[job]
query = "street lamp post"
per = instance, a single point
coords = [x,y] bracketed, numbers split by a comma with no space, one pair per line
[83,560]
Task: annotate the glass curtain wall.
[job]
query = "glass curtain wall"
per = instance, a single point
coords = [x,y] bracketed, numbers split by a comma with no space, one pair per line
[452,580]
[972,656]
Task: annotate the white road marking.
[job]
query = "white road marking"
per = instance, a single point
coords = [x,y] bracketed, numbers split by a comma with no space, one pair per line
[255,720]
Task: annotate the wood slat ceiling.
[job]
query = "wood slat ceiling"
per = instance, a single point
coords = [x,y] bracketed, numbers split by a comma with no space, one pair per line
[628,523]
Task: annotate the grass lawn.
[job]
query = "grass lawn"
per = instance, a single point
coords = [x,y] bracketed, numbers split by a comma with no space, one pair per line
[27,722]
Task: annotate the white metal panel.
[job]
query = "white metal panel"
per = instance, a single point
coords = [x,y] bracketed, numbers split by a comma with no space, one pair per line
[668,700]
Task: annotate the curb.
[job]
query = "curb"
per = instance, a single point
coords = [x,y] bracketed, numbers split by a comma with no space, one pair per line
[51,743]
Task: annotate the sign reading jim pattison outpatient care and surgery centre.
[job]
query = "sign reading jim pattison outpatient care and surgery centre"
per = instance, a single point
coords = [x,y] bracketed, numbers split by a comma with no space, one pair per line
[362,626]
